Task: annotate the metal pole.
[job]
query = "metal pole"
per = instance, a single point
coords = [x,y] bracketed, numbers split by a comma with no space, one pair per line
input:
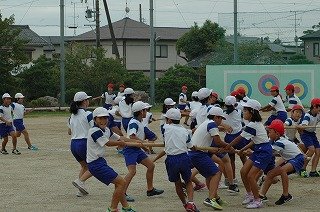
[152,60]
[62,56]
[235,32]
[97,24]
[140,13]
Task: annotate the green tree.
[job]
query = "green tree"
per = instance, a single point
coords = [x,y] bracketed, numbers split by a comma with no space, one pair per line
[299,59]
[199,40]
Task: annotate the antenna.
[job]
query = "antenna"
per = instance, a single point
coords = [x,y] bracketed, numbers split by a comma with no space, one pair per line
[74,26]
[127,9]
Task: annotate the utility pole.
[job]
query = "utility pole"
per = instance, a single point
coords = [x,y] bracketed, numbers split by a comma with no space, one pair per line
[152,58]
[295,31]
[97,24]
[140,13]
[235,32]
[62,56]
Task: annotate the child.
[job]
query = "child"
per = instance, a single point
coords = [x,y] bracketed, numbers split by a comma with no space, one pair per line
[125,107]
[6,127]
[134,155]
[242,93]
[178,165]
[205,98]
[18,113]
[121,90]
[309,137]
[291,161]
[115,112]
[183,102]
[98,137]
[294,121]
[167,104]
[194,106]
[202,137]
[150,136]
[79,124]
[291,98]
[261,157]
[277,105]
[109,96]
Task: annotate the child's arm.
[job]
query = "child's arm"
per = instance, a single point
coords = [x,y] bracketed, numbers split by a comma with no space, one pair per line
[118,143]
[218,141]
[8,123]
[226,128]
[266,108]
[69,131]
[249,145]
[234,142]
[160,155]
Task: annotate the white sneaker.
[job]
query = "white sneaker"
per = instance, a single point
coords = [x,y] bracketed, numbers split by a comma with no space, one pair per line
[247,199]
[235,181]
[222,185]
[255,204]
[80,185]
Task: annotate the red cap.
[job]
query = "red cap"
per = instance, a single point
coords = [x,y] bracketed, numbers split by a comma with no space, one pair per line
[315,101]
[215,94]
[289,87]
[110,85]
[184,87]
[241,90]
[234,93]
[277,125]
[122,85]
[297,107]
[274,88]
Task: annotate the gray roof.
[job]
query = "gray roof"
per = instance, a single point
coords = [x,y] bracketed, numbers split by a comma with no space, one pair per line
[55,40]
[314,35]
[127,28]
[27,34]
[242,39]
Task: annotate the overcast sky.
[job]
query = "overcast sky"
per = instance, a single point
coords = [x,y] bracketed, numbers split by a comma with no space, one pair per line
[277,18]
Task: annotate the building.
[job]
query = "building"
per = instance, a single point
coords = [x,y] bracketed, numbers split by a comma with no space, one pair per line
[311,46]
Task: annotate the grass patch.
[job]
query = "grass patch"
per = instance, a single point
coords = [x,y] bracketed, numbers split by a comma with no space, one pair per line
[35,114]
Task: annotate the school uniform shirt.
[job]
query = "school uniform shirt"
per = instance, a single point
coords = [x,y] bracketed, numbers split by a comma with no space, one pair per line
[203,135]
[6,113]
[245,98]
[120,94]
[286,149]
[108,97]
[125,110]
[256,132]
[195,105]
[291,133]
[80,124]
[277,104]
[202,114]
[234,120]
[97,139]
[182,97]
[135,127]
[177,139]
[310,120]
[113,111]
[18,110]
[147,119]
[293,100]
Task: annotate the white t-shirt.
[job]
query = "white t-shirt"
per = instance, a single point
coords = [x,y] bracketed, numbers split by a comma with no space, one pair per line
[234,120]
[18,110]
[182,96]
[135,127]
[195,105]
[201,114]
[113,111]
[203,135]
[310,120]
[6,113]
[291,133]
[108,97]
[147,119]
[286,149]
[293,100]
[97,139]
[277,104]
[120,94]
[177,139]
[256,132]
[125,110]
[80,124]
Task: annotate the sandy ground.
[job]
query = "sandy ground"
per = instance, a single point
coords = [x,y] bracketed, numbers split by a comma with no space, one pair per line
[41,180]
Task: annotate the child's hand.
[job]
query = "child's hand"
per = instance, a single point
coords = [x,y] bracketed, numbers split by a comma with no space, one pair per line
[8,123]
[122,144]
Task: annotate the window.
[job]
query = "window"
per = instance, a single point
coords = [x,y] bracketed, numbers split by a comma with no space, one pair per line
[316,49]
[162,51]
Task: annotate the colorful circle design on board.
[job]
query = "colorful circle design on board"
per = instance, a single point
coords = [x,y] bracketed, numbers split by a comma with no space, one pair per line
[266,82]
[300,88]
[241,83]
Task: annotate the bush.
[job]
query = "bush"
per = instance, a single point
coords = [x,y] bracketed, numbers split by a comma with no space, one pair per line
[46,101]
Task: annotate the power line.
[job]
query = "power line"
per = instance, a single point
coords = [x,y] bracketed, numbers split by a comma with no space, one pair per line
[26,12]
[180,12]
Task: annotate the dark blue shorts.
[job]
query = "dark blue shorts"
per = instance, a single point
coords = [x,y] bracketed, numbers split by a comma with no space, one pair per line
[178,165]
[182,107]
[242,143]
[296,162]
[271,165]
[107,106]
[309,139]
[5,130]
[203,163]
[133,155]
[18,124]
[117,124]
[282,115]
[149,134]
[125,123]
[100,170]
[78,148]
[262,156]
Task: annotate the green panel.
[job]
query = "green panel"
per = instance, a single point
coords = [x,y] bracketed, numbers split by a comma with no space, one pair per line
[258,79]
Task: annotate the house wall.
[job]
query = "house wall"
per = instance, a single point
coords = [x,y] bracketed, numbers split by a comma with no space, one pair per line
[308,50]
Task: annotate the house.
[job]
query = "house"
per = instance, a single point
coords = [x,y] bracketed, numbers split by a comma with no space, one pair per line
[311,46]
[133,41]
[54,42]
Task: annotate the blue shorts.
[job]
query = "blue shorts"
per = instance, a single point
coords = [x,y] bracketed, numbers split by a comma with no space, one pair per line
[242,143]
[149,134]
[125,123]
[271,165]
[118,124]
[203,163]
[309,139]
[5,130]
[100,170]
[78,148]
[282,115]
[220,155]
[107,106]
[296,162]
[18,124]
[133,155]
[177,165]
[182,107]
[262,156]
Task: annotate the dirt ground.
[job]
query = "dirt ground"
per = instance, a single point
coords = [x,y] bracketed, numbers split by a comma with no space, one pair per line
[41,180]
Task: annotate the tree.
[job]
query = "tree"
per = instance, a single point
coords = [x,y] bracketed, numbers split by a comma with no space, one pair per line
[314,29]
[299,59]
[199,40]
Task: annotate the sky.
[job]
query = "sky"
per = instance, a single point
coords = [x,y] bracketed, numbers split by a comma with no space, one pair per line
[259,18]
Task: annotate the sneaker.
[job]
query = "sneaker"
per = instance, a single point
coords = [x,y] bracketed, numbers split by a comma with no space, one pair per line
[247,199]
[129,198]
[199,187]
[154,192]
[314,174]
[255,204]
[263,198]
[303,173]
[110,210]
[233,188]
[80,185]
[16,152]
[4,152]
[128,209]
[283,199]
[212,203]
[226,182]
[235,181]
[34,148]
[222,185]
[220,201]
[191,207]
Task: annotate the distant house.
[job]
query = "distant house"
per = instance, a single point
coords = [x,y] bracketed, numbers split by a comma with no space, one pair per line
[311,46]
[54,42]
[134,44]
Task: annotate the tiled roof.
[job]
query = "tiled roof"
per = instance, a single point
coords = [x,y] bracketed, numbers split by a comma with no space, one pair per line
[27,34]
[55,40]
[314,35]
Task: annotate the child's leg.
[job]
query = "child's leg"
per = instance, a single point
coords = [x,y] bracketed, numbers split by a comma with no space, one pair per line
[26,137]
[269,179]
[309,153]
[150,170]
[179,191]
[213,184]
[253,182]
[315,160]
[228,169]
[233,164]
[244,174]
[119,193]
[220,163]
[194,179]
[14,139]
[4,142]
[84,172]
[132,169]
[287,168]
[189,188]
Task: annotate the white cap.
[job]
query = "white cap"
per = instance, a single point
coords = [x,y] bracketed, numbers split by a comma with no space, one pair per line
[216,111]
[148,105]
[230,100]
[138,106]
[128,91]
[194,93]
[6,95]
[18,96]
[100,112]
[118,99]
[169,101]
[80,96]
[173,114]
[252,103]
[204,93]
